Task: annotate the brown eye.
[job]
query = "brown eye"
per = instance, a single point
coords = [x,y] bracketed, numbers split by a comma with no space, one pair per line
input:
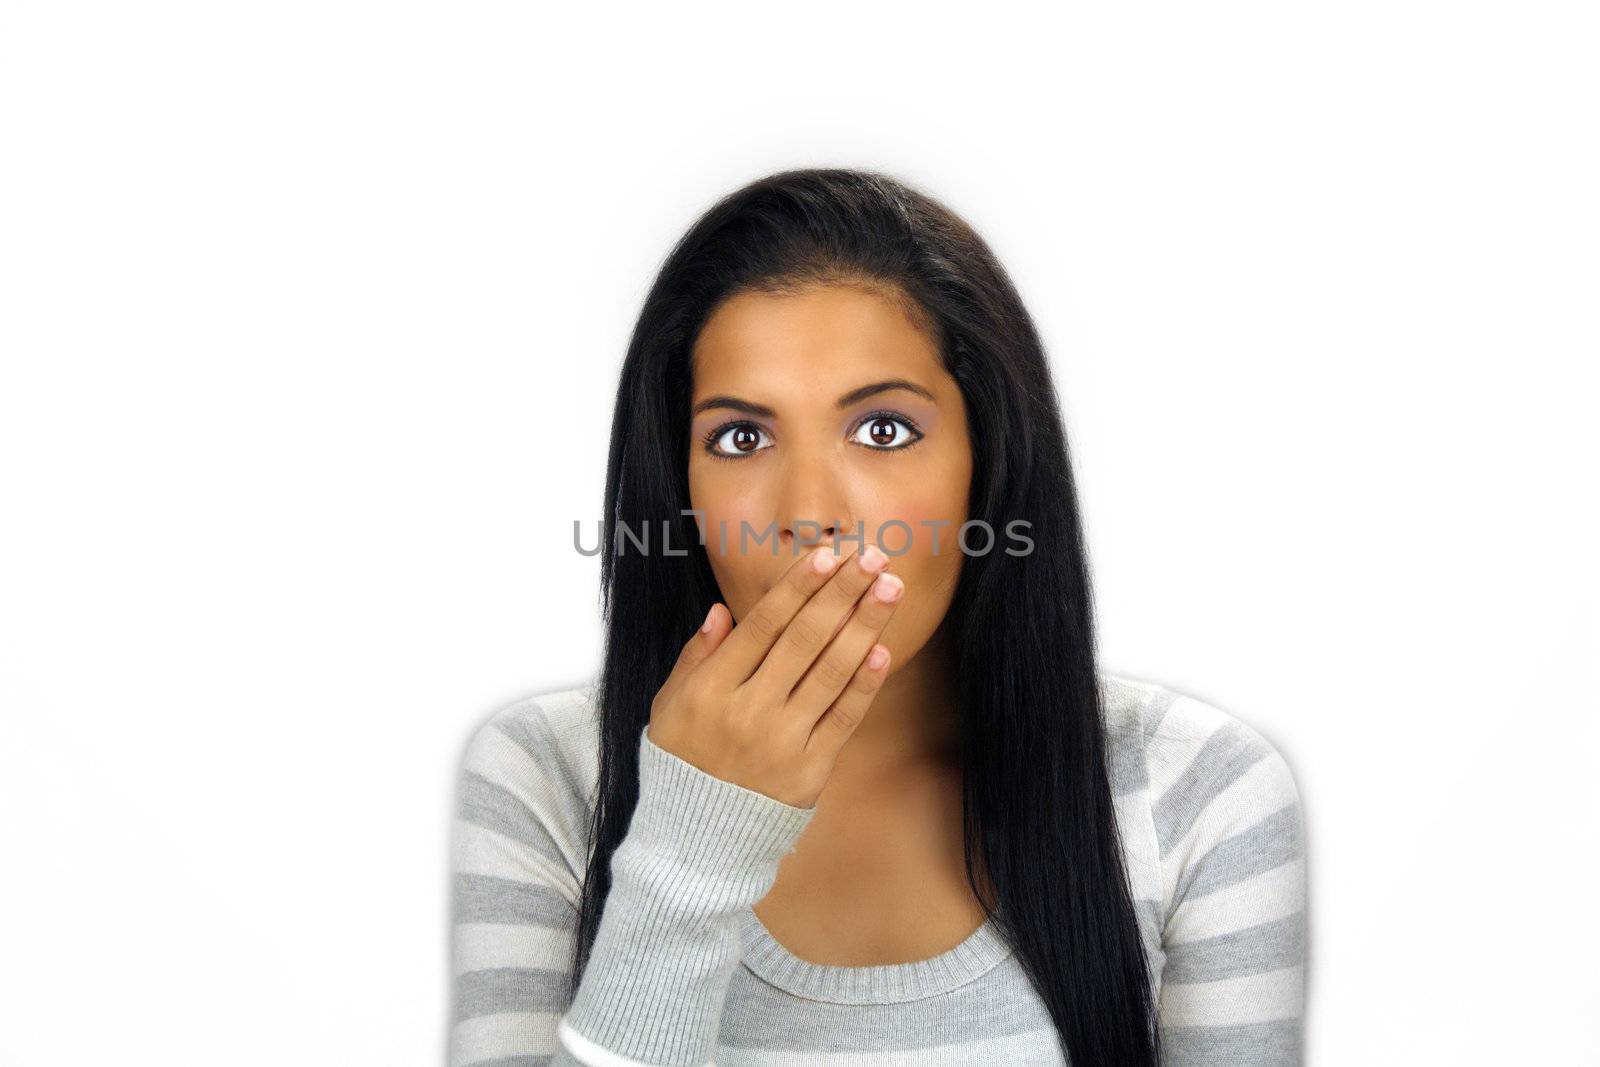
[736,440]
[886,433]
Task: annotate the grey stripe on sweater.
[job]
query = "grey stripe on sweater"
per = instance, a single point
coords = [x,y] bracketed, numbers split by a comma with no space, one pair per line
[684,973]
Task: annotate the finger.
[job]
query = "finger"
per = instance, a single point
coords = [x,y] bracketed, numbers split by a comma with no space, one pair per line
[821,685]
[839,722]
[747,646]
[699,647]
[813,627]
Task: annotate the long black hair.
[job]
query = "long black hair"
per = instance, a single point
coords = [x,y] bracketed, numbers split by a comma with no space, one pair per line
[1037,798]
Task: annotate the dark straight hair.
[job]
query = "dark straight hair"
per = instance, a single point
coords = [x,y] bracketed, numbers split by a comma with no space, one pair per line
[1036,794]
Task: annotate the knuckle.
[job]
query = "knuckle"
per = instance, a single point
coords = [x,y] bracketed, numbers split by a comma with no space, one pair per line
[869,619]
[833,674]
[749,712]
[849,591]
[804,633]
[764,623]
[848,714]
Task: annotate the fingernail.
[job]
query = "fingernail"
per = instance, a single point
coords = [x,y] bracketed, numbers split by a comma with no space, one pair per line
[888,588]
[873,559]
[823,560]
[705,627]
[878,657]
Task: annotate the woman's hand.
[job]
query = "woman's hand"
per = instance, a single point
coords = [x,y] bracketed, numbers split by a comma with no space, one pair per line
[770,707]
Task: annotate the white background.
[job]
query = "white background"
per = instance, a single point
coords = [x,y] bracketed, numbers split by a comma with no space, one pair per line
[311,316]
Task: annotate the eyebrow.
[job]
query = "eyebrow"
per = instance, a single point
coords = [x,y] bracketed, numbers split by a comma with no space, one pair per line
[852,397]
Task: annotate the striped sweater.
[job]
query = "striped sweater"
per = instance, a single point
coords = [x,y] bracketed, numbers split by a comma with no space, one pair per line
[684,973]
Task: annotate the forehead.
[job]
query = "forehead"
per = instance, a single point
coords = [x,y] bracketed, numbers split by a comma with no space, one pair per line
[823,334]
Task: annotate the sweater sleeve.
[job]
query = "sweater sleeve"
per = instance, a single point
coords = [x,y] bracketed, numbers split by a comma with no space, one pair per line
[1233,868]
[697,851]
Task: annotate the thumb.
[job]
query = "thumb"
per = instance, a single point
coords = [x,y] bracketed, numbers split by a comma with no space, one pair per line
[717,625]
[701,643]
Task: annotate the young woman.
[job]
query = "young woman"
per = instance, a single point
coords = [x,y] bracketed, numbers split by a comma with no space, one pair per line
[850,786]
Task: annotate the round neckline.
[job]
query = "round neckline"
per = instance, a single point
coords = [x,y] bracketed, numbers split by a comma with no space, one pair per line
[882,983]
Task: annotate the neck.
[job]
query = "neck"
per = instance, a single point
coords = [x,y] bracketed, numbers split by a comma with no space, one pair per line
[913,718]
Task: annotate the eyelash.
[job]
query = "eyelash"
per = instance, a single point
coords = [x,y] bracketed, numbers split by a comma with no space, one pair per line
[709,441]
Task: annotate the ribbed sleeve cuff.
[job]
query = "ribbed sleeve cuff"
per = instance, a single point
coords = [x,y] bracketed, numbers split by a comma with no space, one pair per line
[710,845]
[698,850]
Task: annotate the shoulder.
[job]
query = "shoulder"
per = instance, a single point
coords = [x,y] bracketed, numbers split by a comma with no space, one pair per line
[535,762]
[1198,752]
[1205,771]
[557,728]
[1223,801]
[1184,741]
[562,725]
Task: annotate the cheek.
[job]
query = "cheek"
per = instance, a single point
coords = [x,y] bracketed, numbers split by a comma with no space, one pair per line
[741,575]
[727,497]
[911,525]
[925,500]
[927,556]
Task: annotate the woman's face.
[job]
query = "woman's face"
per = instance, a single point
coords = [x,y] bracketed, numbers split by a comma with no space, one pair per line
[830,406]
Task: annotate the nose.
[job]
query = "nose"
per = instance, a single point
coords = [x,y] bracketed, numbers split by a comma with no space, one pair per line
[813,507]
